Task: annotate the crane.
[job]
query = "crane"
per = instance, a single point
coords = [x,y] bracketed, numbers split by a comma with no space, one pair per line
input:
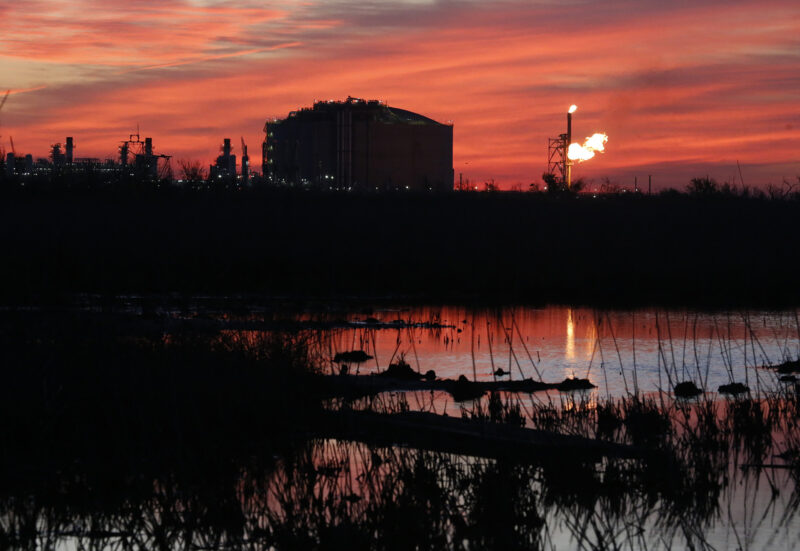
[2,103]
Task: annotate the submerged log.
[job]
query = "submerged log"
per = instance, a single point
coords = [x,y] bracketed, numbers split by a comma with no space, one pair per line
[430,431]
[461,389]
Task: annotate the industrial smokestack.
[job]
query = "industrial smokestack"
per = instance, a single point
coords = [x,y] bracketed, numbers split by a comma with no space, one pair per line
[567,161]
[10,162]
[123,154]
[58,157]
[148,146]
[245,164]
[70,146]
[569,128]
[226,148]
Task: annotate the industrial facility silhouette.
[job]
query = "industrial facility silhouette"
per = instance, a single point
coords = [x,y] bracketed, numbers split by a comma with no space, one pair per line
[343,145]
[359,144]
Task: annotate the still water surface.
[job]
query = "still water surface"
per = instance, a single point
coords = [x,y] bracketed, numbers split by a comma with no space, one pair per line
[714,506]
[619,351]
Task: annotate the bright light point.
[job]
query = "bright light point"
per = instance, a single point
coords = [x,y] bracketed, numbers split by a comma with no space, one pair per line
[573,108]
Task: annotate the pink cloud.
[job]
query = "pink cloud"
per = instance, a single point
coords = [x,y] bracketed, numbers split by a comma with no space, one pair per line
[694,85]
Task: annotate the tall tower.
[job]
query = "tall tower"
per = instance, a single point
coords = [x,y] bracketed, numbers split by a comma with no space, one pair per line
[245,164]
[70,148]
[558,162]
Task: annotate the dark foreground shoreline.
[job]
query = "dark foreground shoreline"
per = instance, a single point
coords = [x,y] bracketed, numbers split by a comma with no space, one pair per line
[477,247]
[116,435]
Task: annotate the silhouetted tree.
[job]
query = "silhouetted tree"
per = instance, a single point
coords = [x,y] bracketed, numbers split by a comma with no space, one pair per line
[785,191]
[555,185]
[192,171]
[552,183]
[703,186]
[609,187]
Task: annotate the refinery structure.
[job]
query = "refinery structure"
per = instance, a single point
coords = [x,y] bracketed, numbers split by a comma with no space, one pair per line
[334,145]
[358,144]
[563,153]
[136,160]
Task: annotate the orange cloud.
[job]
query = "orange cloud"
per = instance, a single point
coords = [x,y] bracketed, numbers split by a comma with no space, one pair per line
[673,87]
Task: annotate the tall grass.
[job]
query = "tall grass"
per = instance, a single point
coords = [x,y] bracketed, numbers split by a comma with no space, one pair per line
[115,439]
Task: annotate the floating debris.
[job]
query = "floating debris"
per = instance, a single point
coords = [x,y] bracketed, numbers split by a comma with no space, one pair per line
[464,390]
[401,370]
[574,383]
[354,356]
[789,366]
[687,389]
[402,377]
[734,388]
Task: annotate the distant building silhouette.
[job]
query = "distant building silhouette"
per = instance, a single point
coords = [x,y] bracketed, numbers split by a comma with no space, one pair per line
[67,170]
[245,164]
[225,167]
[358,144]
[145,160]
[70,149]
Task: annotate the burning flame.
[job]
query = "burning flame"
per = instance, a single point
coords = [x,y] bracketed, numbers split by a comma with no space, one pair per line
[578,152]
[572,108]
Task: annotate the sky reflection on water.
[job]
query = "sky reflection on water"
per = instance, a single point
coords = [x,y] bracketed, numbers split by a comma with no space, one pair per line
[618,350]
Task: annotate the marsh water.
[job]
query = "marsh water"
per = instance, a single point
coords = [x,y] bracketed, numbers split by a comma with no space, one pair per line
[724,489]
[621,352]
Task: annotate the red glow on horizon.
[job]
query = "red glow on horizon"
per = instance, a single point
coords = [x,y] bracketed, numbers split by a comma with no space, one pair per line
[675,92]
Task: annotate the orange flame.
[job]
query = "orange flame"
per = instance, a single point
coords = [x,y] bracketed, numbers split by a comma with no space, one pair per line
[580,153]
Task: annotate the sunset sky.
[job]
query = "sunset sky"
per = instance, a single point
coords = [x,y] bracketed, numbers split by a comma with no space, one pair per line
[682,89]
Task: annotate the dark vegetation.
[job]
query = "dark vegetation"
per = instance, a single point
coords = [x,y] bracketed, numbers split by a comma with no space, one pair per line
[80,387]
[704,248]
[183,440]
[174,439]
